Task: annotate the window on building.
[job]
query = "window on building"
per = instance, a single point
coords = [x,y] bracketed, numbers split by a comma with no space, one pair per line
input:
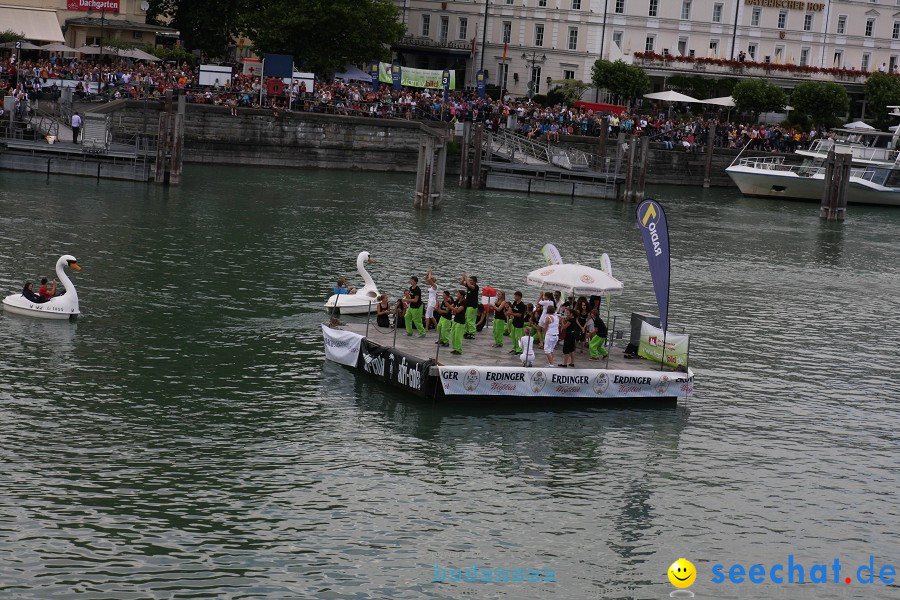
[842,24]
[717,12]
[782,19]
[617,39]
[838,58]
[650,43]
[445,29]
[463,30]
[807,22]
[892,64]
[685,9]
[620,7]
[507,32]
[539,34]
[568,74]
[870,27]
[542,3]
[754,17]
[503,74]
[573,38]
[751,51]
[713,48]
[866,60]
[576,4]
[536,79]
[426,25]
[510,1]
[654,8]
[896,34]
[804,57]
[682,46]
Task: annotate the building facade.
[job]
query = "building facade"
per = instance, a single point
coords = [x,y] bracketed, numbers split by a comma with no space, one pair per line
[547,40]
[84,22]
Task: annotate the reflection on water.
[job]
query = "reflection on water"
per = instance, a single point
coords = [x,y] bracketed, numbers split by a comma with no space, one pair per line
[185,437]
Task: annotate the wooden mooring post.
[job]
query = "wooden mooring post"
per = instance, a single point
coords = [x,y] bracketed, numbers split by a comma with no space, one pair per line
[601,144]
[710,147]
[477,142]
[170,143]
[837,177]
[432,169]
[642,170]
[465,179]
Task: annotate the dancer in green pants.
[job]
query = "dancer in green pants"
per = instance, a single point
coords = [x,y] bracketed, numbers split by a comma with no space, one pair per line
[515,316]
[459,323]
[500,306]
[446,319]
[597,345]
[413,301]
[471,287]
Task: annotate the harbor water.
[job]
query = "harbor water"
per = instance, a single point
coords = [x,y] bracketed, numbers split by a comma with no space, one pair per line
[185,438]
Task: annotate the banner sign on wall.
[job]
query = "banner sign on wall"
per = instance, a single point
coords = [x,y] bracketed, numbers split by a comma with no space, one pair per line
[480,83]
[341,346]
[417,78]
[101,5]
[373,71]
[394,367]
[651,346]
[556,383]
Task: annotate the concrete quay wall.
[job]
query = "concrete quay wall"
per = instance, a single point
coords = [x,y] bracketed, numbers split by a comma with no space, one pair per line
[256,137]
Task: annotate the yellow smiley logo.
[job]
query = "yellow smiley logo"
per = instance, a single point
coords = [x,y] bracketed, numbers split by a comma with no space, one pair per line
[682,573]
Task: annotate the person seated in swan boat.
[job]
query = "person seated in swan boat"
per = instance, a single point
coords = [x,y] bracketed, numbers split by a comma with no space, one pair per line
[45,293]
[28,292]
[342,287]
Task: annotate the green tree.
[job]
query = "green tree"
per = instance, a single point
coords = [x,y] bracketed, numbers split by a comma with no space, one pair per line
[758,96]
[566,91]
[325,35]
[10,36]
[207,25]
[620,79]
[821,101]
[882,90]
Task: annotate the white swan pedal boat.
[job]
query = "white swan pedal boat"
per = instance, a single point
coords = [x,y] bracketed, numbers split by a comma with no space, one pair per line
[363,300]
[64,306]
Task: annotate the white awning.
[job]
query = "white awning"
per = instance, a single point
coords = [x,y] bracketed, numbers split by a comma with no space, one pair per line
[36,24]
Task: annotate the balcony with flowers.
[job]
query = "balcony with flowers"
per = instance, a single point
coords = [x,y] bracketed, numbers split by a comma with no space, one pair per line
[747,68]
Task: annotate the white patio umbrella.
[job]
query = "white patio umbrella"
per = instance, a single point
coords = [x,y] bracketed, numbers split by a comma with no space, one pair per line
[138,54]
[670,96]
[57,48]
[577,280]
[726,101]
[860,125]
[24,46]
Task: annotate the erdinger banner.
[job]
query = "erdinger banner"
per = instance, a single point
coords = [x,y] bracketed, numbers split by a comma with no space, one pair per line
[394,367]
[563,383]
[341,346]
[417,78]
[651,346]
[651,221]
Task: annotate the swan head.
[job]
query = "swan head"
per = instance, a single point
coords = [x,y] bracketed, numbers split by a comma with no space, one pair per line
[69,261]
[365,258]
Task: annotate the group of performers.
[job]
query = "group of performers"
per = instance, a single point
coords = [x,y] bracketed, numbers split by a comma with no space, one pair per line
[577,323]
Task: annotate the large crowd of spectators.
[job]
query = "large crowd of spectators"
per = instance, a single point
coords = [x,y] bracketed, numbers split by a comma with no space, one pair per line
[34,79]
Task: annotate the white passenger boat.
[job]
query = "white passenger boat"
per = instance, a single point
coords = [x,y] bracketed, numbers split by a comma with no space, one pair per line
[874,174]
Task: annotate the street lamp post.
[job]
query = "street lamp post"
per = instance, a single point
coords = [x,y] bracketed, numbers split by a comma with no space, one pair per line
[532,61]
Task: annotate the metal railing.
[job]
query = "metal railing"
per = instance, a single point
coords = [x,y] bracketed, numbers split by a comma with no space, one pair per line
[873,175]
[519,148]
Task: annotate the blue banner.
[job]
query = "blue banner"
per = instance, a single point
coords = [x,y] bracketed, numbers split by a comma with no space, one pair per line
[651,221]
[373,71]
[445,81]
[480,83]
[278,65]
[396,76]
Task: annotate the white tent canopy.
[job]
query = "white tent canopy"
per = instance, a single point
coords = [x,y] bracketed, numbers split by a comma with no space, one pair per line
[860,125]
[577,280]
[727,101]
[670,96]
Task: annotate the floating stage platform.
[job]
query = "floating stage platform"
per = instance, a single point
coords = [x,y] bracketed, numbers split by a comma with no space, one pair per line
[420,367]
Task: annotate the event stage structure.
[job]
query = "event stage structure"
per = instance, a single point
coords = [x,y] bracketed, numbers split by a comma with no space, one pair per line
[424,369]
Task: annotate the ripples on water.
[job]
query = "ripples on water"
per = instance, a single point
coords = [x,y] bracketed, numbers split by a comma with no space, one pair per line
[185,439]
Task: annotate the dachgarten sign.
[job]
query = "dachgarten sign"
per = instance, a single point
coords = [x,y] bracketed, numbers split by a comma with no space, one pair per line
[791,4]
[110,5]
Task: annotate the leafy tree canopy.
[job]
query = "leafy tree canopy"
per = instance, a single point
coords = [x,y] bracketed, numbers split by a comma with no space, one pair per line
[758,96]
[325,35]
[207,25]
[821,101]
[566,91]
[621,79]
[10,36]
[882,90]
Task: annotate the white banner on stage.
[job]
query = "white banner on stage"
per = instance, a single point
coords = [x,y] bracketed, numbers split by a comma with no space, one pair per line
[555,383]
[341,346]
